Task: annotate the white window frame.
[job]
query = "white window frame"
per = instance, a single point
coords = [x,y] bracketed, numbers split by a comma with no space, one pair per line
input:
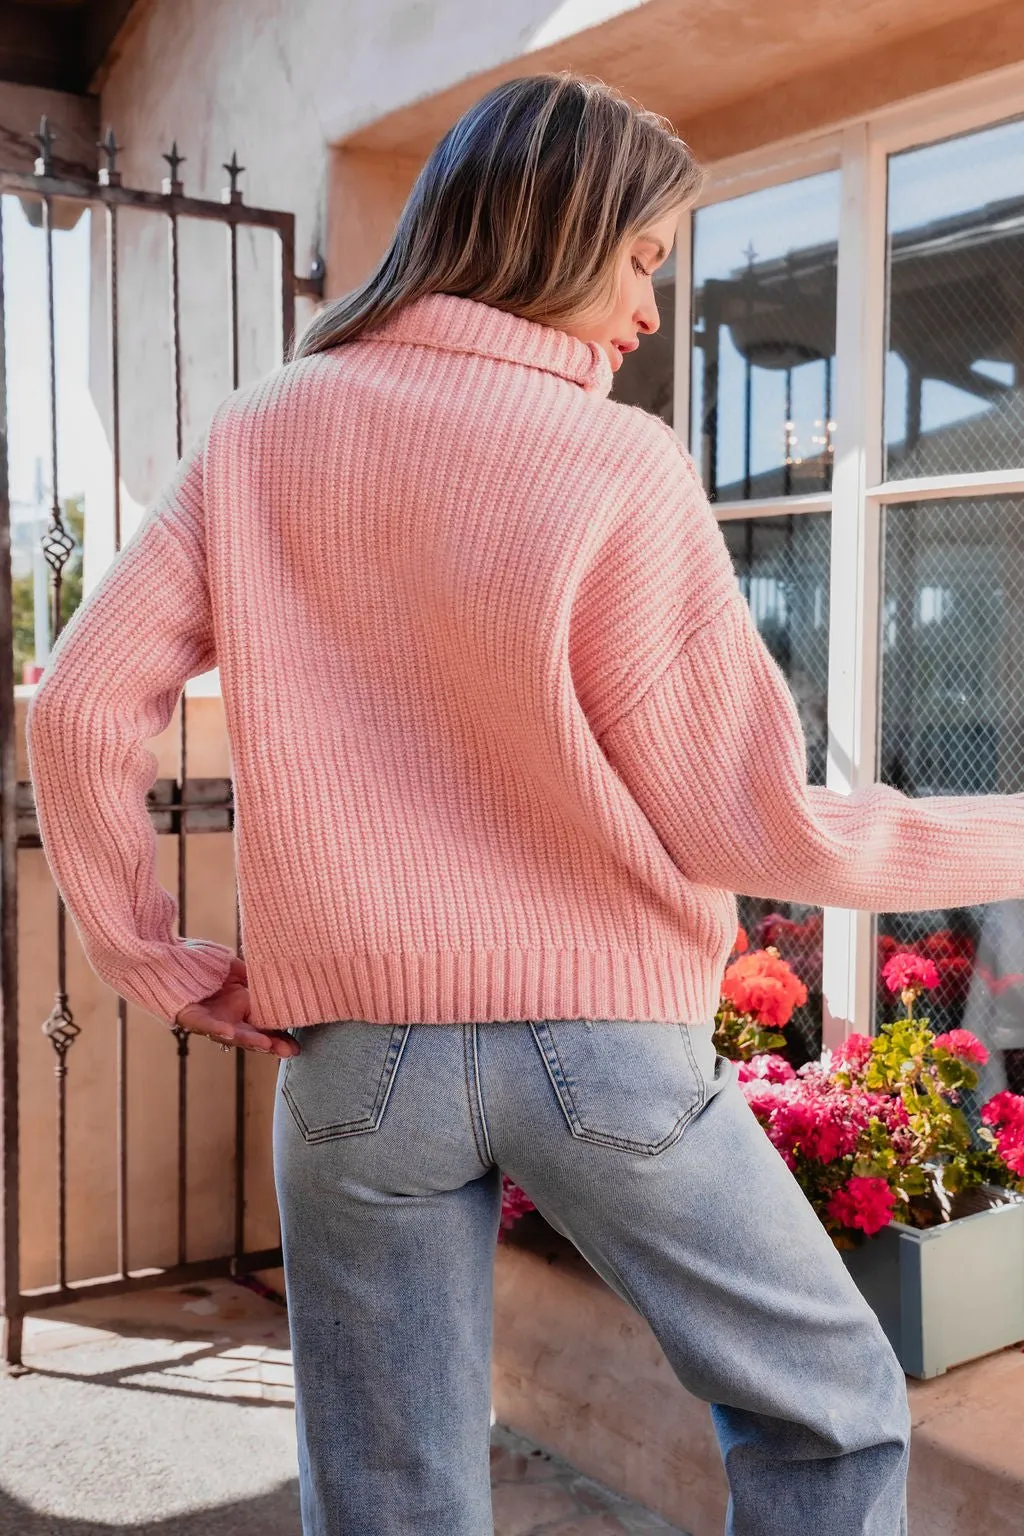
[859,148]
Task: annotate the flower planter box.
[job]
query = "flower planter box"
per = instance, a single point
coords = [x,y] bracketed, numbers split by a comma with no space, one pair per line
[947,1293]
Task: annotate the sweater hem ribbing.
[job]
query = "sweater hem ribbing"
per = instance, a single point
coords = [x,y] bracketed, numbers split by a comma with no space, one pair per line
[455,986]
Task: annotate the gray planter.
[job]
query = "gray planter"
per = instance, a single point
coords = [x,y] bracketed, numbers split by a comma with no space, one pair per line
[949,1293]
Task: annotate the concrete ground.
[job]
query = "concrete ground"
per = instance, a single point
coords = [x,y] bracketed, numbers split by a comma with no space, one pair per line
[172,1412]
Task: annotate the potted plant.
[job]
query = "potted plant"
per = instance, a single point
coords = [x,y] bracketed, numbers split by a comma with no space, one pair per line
[926,1209]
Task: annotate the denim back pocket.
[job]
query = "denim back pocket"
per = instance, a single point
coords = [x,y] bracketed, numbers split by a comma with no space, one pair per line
[622,1082]
[340,1082]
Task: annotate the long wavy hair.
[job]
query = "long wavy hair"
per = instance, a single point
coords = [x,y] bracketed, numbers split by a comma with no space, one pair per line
[525,203]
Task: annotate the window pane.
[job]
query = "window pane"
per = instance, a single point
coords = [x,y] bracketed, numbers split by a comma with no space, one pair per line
[953,391]
[782,564]
[764,340]
[647,375]
[952,723]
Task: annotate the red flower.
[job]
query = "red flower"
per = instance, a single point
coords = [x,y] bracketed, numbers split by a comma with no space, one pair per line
[962,1044]
[909,970]
[864,1203]
[742,943]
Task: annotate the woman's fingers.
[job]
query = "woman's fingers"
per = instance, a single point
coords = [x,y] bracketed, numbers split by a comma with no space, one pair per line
[272,1042]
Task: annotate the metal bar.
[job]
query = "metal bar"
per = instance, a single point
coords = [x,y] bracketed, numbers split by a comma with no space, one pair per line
[175,1274]
[238,1242]
[10,1299]
[113,363]
[748,400]
[60,1039]
[233,303]
[285,287]
[28,185]
[181,1035]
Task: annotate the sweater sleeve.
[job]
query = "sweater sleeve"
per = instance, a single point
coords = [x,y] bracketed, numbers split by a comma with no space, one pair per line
[113,680]
[713,751]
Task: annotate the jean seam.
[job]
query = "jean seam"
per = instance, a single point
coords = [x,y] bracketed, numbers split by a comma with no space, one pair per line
[469,1096]
[480,1094]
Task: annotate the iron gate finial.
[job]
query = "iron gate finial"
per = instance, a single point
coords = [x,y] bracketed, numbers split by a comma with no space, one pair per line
[234,170]
[172,184]
[45,139]
[109,175]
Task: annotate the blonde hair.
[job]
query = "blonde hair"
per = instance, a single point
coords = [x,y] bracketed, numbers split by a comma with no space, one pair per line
[525,203]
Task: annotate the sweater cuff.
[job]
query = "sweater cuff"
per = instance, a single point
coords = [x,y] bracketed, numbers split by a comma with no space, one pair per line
[187,971]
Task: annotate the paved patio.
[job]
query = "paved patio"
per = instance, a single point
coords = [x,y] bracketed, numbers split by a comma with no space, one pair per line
[171,1412]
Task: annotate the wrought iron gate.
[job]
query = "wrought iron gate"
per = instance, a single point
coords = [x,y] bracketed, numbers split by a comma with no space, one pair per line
[179,805]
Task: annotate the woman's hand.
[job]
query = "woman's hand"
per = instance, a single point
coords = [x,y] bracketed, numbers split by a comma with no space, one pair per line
[224,1017]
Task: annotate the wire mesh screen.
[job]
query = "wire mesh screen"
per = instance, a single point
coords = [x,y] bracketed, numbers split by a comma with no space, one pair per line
[952,722]
[954,393]
[647,376]
[782,564]
[764,338]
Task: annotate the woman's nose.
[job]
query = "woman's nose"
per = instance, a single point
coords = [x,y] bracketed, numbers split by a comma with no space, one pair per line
[647,318]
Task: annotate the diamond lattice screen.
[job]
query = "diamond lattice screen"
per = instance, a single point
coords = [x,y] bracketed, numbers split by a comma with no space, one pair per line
[952,723]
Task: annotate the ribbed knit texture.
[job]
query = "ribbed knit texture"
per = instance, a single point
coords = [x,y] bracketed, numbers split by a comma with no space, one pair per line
[504,736]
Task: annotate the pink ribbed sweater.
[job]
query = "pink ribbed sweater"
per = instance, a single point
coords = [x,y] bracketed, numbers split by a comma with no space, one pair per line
[504,736]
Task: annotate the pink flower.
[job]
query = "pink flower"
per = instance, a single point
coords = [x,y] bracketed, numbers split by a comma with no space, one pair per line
[514,1203]
[1004,1109]
[961,1044]
[767,1067]
[909,970]
[763,1097]
[1010,1146]
[864,1203]
[854,1053]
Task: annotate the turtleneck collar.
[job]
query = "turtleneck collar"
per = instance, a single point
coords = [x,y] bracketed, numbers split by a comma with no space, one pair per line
[459,324]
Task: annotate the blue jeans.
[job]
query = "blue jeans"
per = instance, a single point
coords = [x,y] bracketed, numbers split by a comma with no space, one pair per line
[634,1141]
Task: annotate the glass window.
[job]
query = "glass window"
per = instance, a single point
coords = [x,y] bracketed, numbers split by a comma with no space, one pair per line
[782,564]
[764,340]
[647,376]
[952,722]
[955,348]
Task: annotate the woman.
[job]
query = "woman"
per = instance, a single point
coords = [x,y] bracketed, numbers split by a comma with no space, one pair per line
[488,835]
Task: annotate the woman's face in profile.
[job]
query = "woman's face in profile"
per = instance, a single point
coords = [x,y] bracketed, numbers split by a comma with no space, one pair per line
[635,312]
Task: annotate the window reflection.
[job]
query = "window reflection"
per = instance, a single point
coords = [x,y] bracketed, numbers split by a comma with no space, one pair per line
[782,565]
[954,392]
[764,333]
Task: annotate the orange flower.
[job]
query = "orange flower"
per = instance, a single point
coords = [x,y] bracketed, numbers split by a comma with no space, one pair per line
[762,984]
[742,942]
